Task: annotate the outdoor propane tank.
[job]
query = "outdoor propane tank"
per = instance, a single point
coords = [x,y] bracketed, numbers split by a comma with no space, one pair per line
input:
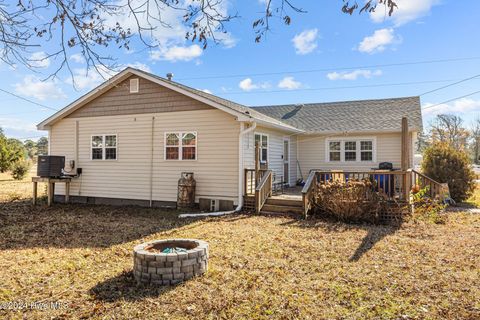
[186,190]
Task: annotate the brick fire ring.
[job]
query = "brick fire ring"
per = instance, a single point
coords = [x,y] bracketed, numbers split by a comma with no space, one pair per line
[152,266]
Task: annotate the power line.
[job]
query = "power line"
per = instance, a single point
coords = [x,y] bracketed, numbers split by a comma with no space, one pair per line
[450,85]
[331,69]
[467,95]
[28,100]
[341,87]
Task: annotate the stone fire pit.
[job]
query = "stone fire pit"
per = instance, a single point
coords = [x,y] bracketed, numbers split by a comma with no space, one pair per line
[168,262]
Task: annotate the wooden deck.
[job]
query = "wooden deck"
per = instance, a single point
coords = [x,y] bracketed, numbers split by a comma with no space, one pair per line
[290,193]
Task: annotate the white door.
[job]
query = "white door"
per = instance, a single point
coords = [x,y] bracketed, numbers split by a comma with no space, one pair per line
[286,161]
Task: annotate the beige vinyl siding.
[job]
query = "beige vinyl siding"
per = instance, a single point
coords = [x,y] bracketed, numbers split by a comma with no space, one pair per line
[312,152]
[150,98]
[128,177]
[275,151]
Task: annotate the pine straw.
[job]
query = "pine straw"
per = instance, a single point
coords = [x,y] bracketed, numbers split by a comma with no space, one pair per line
[260,267]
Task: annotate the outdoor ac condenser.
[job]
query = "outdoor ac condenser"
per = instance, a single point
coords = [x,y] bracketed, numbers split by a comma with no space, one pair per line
[50,166]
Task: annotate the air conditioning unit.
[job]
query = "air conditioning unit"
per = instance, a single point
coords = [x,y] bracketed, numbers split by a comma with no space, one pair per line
[50,166]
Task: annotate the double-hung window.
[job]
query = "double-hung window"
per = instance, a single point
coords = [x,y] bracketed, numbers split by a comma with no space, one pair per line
[104,147]
[350,150]
[262,141]
[181,146]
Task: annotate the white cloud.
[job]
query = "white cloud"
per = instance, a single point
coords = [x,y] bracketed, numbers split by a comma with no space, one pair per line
[89,80]
[248,85]
[464,105]
[77,58]
[41,90]
[354,75]
[289,83]
[207,91]
[138,65]
[407,10]
[39,60]
[378,41]
[18,125]
[169,33]
[306,41]
[177,53]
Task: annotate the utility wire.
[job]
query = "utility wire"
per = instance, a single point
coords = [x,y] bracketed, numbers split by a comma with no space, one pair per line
[450,85]
[447,101]
[341,87]
[28,100]
[331,69]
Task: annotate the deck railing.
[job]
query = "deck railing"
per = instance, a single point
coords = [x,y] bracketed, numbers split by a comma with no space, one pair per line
[391,185]
[263,190]
[251,181]
[435,189]
[308,192]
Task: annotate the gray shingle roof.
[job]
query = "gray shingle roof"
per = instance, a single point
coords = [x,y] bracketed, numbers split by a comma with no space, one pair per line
[229,104]
[349,116]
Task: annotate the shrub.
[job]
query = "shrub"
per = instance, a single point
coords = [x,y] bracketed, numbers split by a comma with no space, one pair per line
[349,202]
[426,208]
[20,169]
[445,164]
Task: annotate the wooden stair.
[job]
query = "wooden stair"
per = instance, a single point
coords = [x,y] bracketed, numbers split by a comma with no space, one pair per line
[278,206]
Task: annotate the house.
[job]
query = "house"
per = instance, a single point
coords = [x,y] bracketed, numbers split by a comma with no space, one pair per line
[136,133]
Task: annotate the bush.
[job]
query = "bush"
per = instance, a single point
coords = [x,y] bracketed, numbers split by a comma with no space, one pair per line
[426,208]
[445,164]
[355,201]
[20,169]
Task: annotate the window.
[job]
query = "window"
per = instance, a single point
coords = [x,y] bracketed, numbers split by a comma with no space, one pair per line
[262,140]
[104,147]
[334,150]
[181,146]
[134,85]
[350,150]
[366,150]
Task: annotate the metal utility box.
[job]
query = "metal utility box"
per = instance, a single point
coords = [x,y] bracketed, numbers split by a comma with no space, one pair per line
[50,166]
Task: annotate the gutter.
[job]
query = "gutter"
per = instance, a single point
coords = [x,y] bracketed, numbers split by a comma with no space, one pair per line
[240,179]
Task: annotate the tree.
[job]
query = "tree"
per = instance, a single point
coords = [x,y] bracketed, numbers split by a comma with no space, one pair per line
[446,164]
[422,142]
[31,148]
[42,146]
[448,128]
[4,152]
[475,133]
[93,27]
[11,151]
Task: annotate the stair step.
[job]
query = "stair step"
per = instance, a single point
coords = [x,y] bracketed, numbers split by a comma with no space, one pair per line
[282,209]
[284,202]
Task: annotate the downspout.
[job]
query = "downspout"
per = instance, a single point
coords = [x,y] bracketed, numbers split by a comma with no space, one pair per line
[243,132]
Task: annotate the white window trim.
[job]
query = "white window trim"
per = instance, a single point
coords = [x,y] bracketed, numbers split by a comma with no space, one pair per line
[268,145]
[289,158]
[180,146]
[137,86]
[104,146]
[342,149]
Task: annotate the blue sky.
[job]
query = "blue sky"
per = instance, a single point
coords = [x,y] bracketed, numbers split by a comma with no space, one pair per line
[337,51]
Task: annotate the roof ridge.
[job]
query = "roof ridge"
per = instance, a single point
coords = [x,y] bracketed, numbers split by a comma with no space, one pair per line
[334,102]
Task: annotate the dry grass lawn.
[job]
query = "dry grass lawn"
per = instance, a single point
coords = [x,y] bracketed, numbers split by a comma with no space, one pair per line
[260,267]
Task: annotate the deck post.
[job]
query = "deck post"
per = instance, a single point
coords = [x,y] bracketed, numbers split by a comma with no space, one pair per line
[405,157]
[257,164]
[34,198]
